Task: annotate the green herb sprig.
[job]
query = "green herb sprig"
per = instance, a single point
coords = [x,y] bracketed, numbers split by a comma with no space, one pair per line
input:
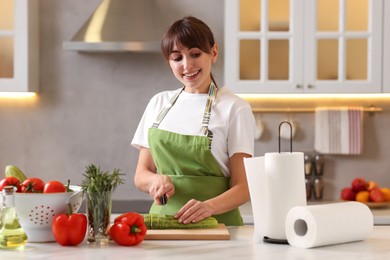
[98,186]
[97,180]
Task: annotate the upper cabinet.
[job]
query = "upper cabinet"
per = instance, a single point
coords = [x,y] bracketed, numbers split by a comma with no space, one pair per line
[297,46]
[19,65]
[386,47]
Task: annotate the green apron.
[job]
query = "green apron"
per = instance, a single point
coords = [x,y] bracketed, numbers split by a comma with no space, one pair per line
[188,161]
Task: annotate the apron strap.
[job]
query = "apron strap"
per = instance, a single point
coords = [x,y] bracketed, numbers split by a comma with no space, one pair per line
[206,116]
[207,113]
[165,110]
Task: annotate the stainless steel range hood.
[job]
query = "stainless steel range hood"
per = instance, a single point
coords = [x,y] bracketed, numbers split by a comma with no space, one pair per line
[120,26]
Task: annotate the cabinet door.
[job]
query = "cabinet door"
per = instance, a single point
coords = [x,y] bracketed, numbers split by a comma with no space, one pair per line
[263,46]
[343,40]
[386,48]
[6,39]
[18,45]
[296,46]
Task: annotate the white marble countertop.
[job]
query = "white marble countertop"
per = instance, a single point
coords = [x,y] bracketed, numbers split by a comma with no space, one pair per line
[241,246]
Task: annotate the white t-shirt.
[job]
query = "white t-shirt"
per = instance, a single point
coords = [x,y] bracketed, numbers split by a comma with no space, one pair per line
[232,122]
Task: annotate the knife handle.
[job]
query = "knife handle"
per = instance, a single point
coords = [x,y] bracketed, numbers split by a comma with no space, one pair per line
[163,199]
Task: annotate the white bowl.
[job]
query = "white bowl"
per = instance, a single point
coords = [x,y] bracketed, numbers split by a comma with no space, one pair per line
[36,211]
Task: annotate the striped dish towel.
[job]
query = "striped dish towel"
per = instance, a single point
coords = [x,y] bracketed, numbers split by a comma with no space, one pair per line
[339,130]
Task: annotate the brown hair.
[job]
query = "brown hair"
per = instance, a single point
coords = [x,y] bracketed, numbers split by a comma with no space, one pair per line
[189,32]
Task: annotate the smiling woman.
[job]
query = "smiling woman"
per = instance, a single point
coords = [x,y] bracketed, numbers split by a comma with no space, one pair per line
[192,136]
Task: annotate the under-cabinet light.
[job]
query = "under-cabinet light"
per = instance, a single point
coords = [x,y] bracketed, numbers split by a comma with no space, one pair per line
[315,96]
[17,94]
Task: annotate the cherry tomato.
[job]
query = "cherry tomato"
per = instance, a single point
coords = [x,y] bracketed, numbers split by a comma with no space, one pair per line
[10,181]
[32,185]
[54,186]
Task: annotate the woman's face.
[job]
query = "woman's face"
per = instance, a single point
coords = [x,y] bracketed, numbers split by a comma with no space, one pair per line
[192,67]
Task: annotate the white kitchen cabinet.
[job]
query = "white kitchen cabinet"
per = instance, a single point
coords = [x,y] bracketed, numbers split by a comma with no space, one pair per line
[386,48]
[297,46]
[19,46]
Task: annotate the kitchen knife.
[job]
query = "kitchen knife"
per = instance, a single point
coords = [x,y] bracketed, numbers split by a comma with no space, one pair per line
[163,201]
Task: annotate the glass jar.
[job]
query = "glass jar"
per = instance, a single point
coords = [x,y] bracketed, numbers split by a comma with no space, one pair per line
[12,235]
[99,214]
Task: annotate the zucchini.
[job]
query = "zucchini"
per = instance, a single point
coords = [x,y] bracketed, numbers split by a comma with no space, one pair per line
[13,171]
[154,221]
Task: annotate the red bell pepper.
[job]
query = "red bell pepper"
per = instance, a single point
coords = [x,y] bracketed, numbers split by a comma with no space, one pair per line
[128,229]
[69,229]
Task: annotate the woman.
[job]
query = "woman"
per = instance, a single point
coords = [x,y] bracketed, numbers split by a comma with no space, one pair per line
[192,140]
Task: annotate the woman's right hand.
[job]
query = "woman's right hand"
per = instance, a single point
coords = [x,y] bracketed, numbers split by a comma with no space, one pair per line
[147,180]
[161,185]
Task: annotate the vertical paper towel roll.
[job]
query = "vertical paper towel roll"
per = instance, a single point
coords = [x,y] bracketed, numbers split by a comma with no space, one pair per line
[285,182]
[327,224]
[254,168]
[276,184]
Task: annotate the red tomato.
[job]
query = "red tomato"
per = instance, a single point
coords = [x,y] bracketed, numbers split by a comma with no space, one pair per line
[69,230]
[32,185]
[10,181]
[54,186]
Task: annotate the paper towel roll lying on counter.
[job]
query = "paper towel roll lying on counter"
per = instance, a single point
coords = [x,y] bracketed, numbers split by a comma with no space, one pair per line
[328,224]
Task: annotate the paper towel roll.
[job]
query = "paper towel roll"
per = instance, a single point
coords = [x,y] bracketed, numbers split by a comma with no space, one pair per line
[254,167]
[285,181]
[327,224]
[276,184]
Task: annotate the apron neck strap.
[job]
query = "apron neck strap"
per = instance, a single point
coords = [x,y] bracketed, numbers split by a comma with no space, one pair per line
[165,110]
[207,112]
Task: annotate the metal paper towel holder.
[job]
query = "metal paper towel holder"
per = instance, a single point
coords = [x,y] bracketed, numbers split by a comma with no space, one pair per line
[269,239]
[280,126]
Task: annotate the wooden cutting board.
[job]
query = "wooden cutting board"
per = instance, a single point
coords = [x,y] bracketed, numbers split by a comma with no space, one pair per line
[219,233]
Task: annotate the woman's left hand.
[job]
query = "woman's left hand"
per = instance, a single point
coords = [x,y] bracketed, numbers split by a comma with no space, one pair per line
[194,211]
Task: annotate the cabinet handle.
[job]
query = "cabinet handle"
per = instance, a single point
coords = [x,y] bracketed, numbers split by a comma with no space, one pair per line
[298,86]
[310,86]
